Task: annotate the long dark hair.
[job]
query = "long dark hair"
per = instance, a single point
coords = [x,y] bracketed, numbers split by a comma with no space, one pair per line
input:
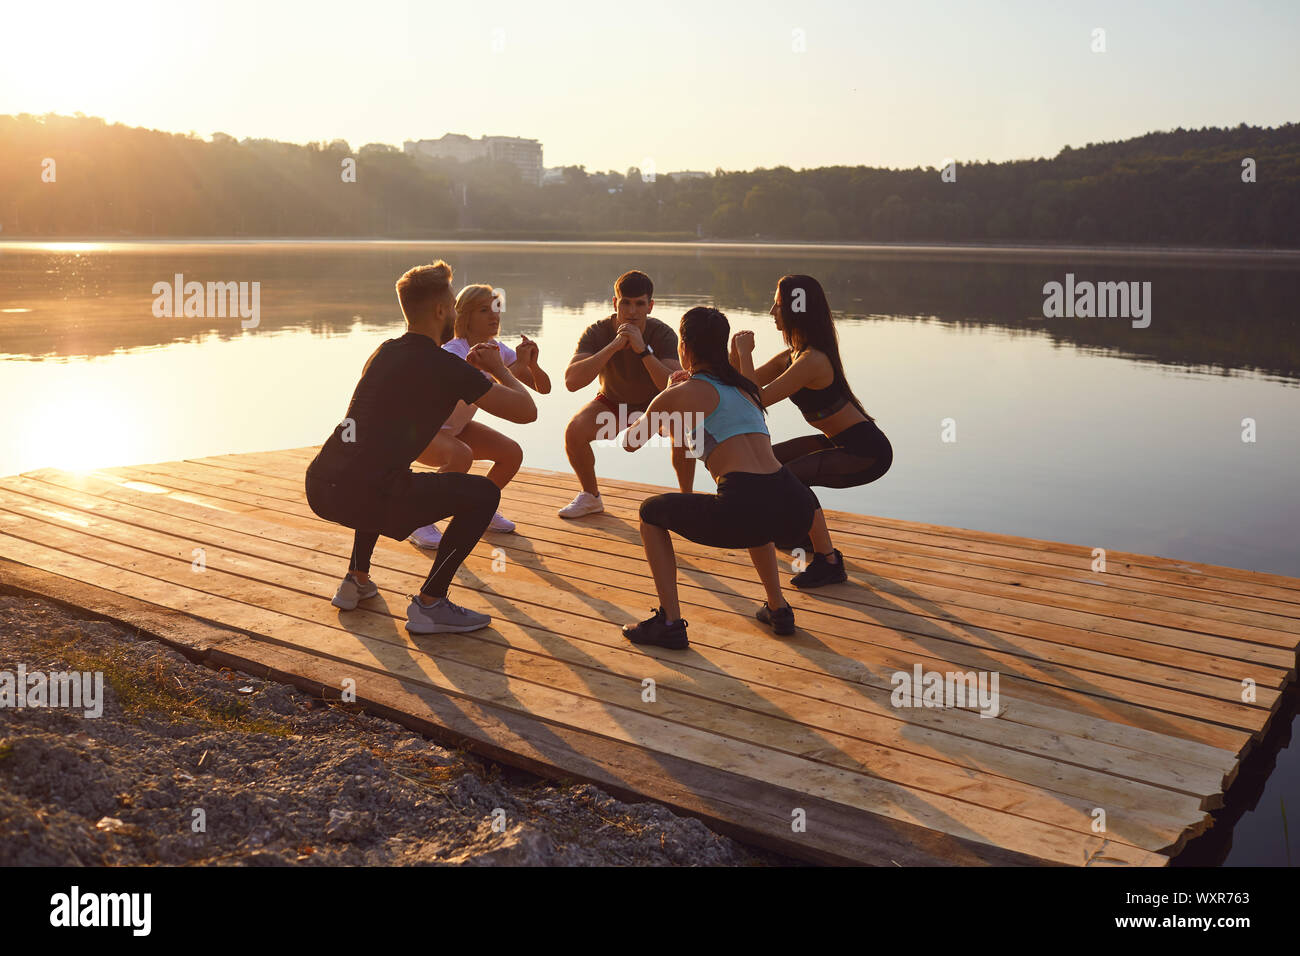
[812,326]
[706,331]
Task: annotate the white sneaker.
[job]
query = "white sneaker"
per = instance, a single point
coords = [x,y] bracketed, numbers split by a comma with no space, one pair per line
[441,617]
[427,537]
[500,523]
[349,593]
[584,504]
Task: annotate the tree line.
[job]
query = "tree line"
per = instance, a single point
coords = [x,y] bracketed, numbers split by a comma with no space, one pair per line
[79,176]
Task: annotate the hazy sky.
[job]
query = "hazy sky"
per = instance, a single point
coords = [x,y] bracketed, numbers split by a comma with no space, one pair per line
[691,85]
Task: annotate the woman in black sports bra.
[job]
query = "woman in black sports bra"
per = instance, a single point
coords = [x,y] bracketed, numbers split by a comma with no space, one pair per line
[849,449]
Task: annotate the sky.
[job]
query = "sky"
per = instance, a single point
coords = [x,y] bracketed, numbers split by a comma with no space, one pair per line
[682,85]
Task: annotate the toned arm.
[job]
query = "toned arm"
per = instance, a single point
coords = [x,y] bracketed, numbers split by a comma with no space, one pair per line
[510,402]
[766,373]
[801,372]
[584,367]
[675,399]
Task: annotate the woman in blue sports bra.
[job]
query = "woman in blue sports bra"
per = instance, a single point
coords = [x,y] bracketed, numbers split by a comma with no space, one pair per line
[849,449]
[718,413]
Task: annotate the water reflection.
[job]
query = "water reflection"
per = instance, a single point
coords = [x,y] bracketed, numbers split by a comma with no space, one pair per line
[94,299]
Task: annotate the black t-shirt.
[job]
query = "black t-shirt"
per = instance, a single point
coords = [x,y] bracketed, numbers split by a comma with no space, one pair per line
[407,390]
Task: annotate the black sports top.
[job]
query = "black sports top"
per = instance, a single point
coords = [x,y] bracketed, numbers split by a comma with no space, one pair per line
[818,403]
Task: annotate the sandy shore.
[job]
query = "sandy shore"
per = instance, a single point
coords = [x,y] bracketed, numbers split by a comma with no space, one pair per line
[187,765]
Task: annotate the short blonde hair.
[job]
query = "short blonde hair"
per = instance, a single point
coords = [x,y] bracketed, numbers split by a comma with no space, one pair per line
[419,287]
[469,299]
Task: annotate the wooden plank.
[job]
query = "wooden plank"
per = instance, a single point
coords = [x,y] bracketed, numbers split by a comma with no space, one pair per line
[1025,599]
[836,835]
[1209,732]
[830,661]
[1148,593]
[1195,574]
[552,562]
[318,536]
[971,624]
[948,815]
[281,570]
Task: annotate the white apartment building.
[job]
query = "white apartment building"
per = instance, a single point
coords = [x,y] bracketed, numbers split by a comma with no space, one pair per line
[525,154]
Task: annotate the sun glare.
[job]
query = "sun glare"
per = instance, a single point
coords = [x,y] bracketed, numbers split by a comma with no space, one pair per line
[78,430]
[74,50]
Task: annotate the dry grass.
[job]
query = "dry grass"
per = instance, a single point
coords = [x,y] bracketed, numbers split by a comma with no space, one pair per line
[158,692]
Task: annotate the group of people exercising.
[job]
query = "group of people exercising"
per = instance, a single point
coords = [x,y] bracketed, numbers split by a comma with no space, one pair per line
[418,395]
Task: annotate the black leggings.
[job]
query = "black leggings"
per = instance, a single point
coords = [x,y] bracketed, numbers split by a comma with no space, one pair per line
[470,501]
[749,510]
[856,456]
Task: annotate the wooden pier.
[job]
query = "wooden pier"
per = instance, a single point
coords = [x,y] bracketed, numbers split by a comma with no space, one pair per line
[1122,692]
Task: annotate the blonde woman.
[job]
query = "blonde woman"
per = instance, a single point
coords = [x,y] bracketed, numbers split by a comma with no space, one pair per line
[462,441]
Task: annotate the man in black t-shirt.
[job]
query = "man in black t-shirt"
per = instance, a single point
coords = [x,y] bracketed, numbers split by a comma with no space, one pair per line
[362,478]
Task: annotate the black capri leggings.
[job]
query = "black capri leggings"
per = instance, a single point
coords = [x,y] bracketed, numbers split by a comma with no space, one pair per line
[856,456]
[749,510]
[470,501]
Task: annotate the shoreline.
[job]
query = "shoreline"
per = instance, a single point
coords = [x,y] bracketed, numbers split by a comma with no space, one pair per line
[920,249]
[282,777]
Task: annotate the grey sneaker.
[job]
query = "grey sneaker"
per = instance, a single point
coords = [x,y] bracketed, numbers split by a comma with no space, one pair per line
[442,616]
[349,593]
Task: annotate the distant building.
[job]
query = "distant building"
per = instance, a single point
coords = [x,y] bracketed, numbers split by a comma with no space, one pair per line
[524,154]
[688,174]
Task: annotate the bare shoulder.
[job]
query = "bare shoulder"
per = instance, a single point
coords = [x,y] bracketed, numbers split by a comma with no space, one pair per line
[699,395]
[811,355]
[686,396]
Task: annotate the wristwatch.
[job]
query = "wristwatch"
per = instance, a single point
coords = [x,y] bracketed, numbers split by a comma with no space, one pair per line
[648,351]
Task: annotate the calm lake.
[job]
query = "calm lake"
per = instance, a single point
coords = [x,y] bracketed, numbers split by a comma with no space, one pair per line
[1084,430]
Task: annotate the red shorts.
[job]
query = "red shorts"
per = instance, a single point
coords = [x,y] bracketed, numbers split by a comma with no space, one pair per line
[613,405]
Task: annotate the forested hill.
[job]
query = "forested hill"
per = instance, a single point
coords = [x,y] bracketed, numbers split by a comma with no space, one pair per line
[1183,187]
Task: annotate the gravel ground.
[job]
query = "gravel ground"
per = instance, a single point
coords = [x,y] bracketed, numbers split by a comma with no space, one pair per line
[279,778]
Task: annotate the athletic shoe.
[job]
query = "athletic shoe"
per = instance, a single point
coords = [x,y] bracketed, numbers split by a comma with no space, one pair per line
[781,621]
[584,504]
[656,630]
[821,572]
[349,593]
[500,523]
[442,616]
[427,537]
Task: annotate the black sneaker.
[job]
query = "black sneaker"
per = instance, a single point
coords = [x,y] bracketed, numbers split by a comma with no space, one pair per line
[821,572]
[655,630]
[781,621]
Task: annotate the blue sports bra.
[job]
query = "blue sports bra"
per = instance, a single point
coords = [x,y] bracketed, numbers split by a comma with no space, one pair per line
[735,415]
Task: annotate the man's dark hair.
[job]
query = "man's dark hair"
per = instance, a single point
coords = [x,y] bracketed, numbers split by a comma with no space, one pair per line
[633,284]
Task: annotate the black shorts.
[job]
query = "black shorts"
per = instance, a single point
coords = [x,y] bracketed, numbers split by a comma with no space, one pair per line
[399,505]
[749,510]
[858,455]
